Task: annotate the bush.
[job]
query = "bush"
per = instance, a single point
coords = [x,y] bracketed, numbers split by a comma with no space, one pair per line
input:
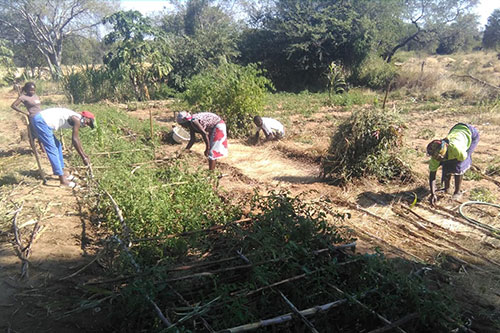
[86,85]
[367,144]
[374,73]
[234,92]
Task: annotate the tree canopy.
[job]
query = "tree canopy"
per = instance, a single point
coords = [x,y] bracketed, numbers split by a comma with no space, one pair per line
[491,37]
[46,24]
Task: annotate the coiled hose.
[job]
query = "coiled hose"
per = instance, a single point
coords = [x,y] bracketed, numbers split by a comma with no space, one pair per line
[475,222]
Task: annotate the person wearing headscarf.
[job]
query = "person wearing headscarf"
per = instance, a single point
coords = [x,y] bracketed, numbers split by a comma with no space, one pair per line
[454,154]
[53,119]
[213,132]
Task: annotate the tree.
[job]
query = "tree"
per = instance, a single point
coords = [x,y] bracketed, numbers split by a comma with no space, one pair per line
[202,34]
[462,35]
[140,53]
[429,16]
[47,24]
[7,67]
[297,40]
[491,37]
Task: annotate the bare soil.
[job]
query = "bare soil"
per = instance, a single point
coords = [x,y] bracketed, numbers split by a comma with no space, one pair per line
[382,215]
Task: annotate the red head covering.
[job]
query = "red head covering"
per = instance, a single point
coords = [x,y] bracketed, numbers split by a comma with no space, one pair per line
[90,115]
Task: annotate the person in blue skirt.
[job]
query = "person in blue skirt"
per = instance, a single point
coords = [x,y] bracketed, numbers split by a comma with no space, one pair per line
[454,155]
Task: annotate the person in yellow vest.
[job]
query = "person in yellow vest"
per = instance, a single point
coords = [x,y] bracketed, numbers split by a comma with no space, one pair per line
[454,154]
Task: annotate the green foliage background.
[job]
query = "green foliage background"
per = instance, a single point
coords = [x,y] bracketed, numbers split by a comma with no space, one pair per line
[233,92]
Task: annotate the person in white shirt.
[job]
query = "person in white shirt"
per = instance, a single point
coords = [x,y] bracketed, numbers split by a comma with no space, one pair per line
[49,120]
[273,129]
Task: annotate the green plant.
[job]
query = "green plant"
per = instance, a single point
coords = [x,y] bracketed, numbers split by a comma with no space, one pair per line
[336,79]
[374,73]
[353,97]
[472,175]
[482,194]
[234,92]
[492,170]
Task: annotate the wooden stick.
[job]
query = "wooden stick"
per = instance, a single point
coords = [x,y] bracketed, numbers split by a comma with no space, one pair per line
[284,318]
[339,247]
[81,269]
[484,83]
[297,312]
[205,323]
[118,211]
[397,323]
[188,233]
[228,269]
[118,151]
[14,227]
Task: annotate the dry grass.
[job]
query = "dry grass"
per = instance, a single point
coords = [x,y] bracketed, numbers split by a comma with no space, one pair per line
[436,77]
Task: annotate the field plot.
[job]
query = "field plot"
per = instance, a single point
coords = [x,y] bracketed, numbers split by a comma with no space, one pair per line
[456,246]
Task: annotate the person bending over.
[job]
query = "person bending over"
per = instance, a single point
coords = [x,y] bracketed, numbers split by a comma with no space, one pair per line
[454,154]
[273,129]
[213,132]
[53,119]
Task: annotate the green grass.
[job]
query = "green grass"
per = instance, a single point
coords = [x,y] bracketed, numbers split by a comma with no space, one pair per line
[472,175]
[304,103]
[482,194]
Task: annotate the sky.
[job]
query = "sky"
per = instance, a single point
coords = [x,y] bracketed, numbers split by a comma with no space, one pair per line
[484,9]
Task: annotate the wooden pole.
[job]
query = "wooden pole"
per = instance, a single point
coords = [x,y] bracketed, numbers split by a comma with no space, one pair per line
[151,124]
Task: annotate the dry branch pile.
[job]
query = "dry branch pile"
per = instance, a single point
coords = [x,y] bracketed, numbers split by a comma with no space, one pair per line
[368,143]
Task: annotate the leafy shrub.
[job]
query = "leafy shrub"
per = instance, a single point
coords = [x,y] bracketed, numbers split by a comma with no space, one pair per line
[368,143]
[7,66]
[86,85]
[374,73]
[287,239]
[234,92]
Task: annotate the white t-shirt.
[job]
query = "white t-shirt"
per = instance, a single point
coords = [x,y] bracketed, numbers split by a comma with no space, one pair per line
[270,125]
[57,118]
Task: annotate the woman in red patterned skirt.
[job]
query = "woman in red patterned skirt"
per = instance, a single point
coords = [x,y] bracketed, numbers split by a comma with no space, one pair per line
[213,132]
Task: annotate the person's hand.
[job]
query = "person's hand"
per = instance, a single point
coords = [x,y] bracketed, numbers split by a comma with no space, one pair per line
[433,199]
[207,151]
[86,160]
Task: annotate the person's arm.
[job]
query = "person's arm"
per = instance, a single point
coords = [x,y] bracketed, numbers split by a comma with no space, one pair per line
[15,106]
[268,132]
[256,138]
[191,138]
[196,126]
[432,186]
[269,136]
[75,139]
